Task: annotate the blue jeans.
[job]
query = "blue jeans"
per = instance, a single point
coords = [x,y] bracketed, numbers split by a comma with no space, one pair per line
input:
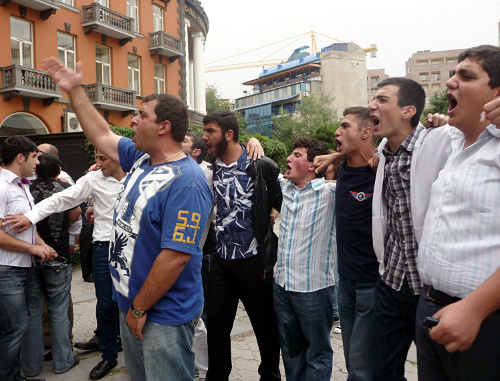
[106,309]
[52,281]
[356,307]
[15,289]
[393,330]
[164,354]
[314,311]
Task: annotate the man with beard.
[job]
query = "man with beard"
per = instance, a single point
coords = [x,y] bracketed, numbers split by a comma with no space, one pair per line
[242,268]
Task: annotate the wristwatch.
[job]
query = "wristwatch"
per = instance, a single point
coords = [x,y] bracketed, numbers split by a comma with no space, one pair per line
[137,312]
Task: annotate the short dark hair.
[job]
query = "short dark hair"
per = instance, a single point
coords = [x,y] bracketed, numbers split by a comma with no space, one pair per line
[488,56]
[226,120]
[14,145]
[198,143]
[172,109]
[362,115]
[410,93]
[314,148]
[48,166]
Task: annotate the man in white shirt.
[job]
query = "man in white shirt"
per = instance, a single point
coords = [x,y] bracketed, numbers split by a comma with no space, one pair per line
[103,186]
[458,258]
[304,278]
[19,155]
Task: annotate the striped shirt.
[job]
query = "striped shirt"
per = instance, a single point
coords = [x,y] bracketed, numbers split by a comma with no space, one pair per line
[401,247]
[306,247]
[15,198]
[460,246]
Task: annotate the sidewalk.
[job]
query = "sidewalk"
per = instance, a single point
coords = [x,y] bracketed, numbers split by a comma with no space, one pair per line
[245,351]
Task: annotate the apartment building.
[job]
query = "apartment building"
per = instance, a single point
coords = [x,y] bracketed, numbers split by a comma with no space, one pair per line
[432,69]
[373,78]
[128,49]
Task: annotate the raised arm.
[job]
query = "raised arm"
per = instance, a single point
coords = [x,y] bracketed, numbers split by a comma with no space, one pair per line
[94,126]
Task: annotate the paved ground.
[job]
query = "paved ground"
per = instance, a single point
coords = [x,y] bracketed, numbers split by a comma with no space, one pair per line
[244,346]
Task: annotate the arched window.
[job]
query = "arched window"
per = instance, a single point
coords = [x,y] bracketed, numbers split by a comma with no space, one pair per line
[22,124]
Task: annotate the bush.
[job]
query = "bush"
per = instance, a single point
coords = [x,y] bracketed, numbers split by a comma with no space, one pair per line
[122,131]
[273,148]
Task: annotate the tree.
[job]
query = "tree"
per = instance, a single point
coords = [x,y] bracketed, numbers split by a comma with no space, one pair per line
[438,103]
[214,101]
[315,117]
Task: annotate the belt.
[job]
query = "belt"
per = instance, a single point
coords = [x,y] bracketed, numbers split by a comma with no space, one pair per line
[439,297]
[101,242]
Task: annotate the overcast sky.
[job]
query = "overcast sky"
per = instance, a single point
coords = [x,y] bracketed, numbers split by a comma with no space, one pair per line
[398,27]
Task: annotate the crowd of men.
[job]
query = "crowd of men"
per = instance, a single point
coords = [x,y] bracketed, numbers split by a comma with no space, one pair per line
[415,239]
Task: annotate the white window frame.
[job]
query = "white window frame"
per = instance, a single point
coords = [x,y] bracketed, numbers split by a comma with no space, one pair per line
[135,72]
[157,18]
[21,42]
[102,65]
[67,2]
[104,3]
[133,11]
[65,51]
[159,82]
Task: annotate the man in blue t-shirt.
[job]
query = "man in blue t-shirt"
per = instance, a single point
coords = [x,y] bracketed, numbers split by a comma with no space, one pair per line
[357,263]
[155,256]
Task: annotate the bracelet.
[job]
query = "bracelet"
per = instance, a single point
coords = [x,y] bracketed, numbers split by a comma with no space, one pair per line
[376,153]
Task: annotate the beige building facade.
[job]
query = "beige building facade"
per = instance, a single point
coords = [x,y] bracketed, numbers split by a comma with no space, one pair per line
[373,78]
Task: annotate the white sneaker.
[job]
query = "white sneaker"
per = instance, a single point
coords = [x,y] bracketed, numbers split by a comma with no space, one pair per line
[337,330]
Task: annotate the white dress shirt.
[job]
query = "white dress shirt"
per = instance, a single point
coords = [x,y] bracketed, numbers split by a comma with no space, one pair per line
[103,190]
[15,198]
[460,245]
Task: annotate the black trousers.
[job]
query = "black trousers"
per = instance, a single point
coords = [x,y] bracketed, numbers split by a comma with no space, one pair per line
[86,249]
[480,362]
[228,282]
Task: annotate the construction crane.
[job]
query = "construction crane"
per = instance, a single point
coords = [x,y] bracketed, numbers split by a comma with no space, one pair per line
[273,62]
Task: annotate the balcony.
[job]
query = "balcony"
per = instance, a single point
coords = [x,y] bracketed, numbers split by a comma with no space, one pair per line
[165,45]
[25,82]
[108,22]
[111,98]
[46,7]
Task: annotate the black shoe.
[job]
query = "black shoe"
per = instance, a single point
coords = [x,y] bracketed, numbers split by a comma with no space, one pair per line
[119,346]
[89,279]
[91,345]
[102,369]
[47,356]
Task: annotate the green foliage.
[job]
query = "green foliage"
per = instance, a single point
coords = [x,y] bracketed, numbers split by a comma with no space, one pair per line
[438,103]
[214,101]
[122,131]
[315,117]
[195,128]
[273,148]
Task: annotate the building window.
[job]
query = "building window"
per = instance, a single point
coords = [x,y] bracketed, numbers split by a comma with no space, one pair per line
[134,77]
[66,49]
[103,64]
[451,60]
[435,62]
[436,88]
[67,2]
[435,77]
[133,11]
[104,3]
[422,62]
[422,77]
[157,18]
[159,78]
[375,81]
[21,42]
[22,124]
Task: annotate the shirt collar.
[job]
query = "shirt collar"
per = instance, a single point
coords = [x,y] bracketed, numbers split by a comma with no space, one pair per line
[408,144]
[11,176]
[313,184]
[493,130]
[242,162]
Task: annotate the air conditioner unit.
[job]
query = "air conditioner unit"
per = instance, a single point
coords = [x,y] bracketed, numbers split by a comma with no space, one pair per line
[71,123]
[305,94]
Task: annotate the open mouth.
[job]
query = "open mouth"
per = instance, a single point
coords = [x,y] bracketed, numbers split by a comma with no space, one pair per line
[288,169]
[375,121]
[339,143]
[452,103]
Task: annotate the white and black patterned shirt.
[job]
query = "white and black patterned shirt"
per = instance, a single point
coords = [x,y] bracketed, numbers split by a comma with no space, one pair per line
[401,247]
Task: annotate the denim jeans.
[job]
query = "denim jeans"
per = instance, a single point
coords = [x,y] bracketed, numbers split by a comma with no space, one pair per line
[106,309]
[393,330]
[314,311]
[356,307]
[51,280]
[164,354]
[15,290]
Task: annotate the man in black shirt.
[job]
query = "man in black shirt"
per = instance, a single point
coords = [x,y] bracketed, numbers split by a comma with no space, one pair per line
[52,279]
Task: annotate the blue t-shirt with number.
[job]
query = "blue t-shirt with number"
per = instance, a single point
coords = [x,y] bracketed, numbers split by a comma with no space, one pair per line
[163,206]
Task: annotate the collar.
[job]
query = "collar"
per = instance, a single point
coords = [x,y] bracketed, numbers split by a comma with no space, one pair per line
[408,144]
[492,130]
[11,177]
[315,184]
[242,162]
